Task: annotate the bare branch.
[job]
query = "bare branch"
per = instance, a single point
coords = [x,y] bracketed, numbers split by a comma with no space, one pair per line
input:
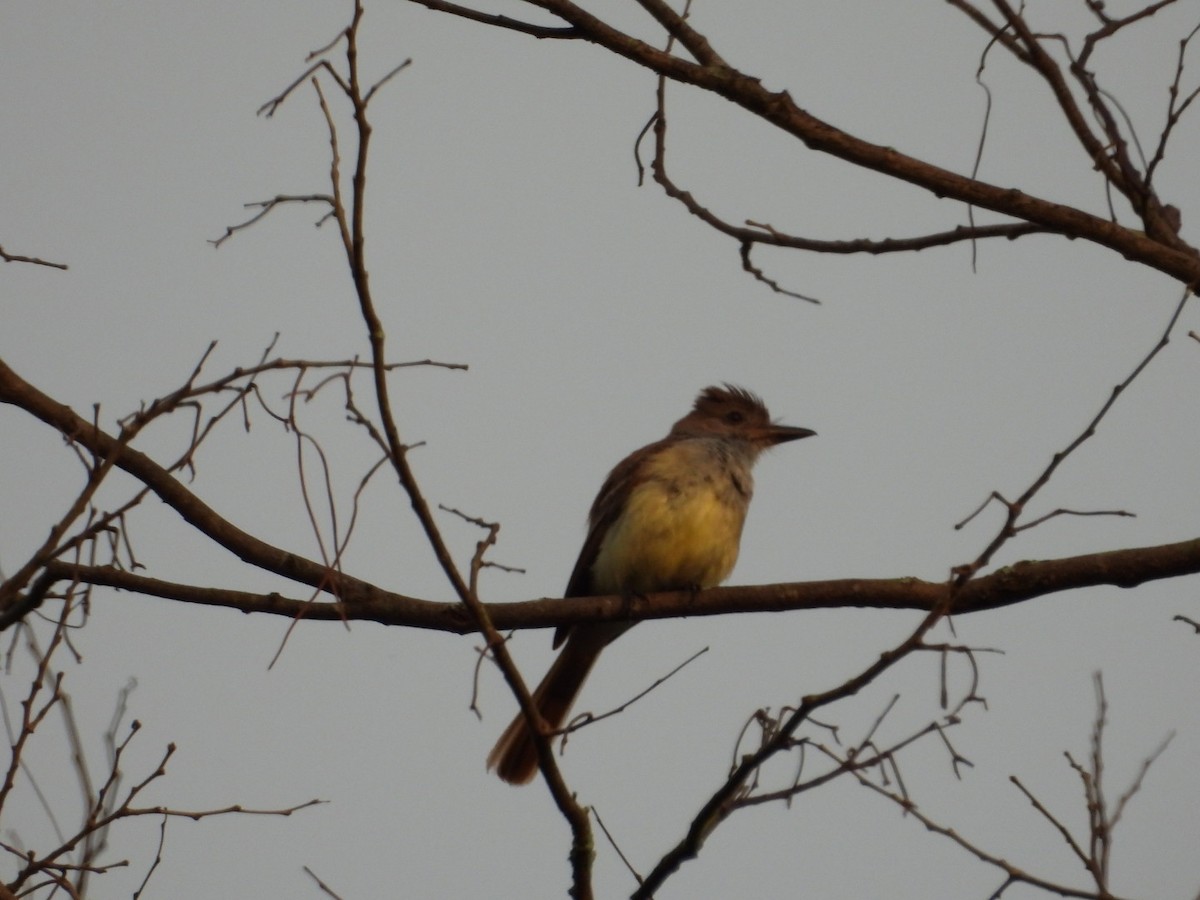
[762,233]
[678,29]
[1075,512]
[1062,829]
[1163,251]
[723,800]
[33,260]
[159,480]
[586,718]
[1175,107]
[1015,508]
[1045,65]
[385,79]
[613,843]
[1181,618]
[1016,583]
[879,246]
[1013,874]
[325,889]
[269,108]
[499,21]
[268,206]
[759,275]
[348,211]
[1111,26]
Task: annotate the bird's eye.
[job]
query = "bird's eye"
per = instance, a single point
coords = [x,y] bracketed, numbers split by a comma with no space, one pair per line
[734,417]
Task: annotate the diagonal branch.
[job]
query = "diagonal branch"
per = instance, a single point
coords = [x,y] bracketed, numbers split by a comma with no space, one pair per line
[679,30]
[1045,65]
[1175,107]
[14,390]
[32,260]
[1014,509]
[779,109]
[500,21]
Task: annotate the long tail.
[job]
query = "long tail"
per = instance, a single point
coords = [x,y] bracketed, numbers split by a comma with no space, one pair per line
[515,757]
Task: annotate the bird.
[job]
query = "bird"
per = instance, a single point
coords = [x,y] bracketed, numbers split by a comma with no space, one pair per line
[668,517]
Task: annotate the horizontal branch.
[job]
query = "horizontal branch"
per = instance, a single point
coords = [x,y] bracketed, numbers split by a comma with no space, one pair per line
[1005,587]
[762,233]
[364,601]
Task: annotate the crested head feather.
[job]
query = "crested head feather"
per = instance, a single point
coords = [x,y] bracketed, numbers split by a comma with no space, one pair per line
[725,410]
[728,395]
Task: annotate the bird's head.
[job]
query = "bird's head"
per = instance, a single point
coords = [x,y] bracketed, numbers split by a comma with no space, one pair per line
[735,413]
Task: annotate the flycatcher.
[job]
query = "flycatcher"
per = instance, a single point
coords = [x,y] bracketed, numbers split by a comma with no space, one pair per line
[668,518]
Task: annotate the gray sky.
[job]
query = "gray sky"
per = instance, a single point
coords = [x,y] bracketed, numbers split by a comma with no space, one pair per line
[506,231]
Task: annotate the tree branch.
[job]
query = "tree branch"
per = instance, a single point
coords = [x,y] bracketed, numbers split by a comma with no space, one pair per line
[16,391]
[779,109]
[1007,586]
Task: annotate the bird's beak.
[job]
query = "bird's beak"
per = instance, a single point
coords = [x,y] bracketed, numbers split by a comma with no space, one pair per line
[780,434]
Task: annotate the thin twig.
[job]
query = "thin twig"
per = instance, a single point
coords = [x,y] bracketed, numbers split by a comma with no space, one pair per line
[1015,508]
[33,260]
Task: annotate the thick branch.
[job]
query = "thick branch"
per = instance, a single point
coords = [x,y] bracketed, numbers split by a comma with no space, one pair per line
[1007,586]
[679,30]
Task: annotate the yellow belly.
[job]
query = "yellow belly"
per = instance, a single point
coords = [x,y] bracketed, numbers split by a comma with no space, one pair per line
[672,534]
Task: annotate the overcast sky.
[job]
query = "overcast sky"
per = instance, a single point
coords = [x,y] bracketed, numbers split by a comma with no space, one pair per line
[506,231]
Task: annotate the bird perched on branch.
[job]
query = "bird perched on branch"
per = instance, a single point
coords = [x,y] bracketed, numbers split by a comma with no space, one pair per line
[669,517]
